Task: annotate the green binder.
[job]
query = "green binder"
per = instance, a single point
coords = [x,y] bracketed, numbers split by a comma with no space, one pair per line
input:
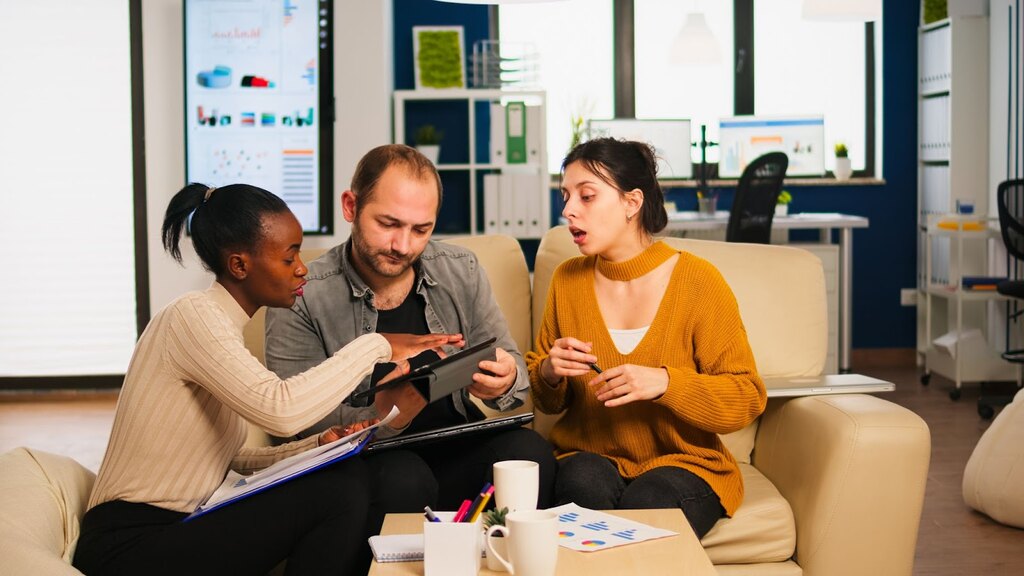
[515,133]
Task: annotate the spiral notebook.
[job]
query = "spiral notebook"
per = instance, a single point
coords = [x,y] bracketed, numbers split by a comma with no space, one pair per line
[397,547]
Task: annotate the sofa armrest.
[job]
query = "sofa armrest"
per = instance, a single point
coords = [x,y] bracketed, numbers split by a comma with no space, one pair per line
[853,468]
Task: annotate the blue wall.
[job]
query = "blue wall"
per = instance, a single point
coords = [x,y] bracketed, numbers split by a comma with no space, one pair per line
[884,255]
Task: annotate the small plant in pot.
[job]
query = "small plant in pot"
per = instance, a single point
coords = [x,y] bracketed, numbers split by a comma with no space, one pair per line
[428,141]
[495,517]
[782,204]
[843,169]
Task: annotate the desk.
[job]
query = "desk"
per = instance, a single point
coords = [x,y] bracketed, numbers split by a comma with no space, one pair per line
[680,554]
[825,223]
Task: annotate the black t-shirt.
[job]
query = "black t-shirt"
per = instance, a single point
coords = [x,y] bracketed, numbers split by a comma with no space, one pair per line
[410,318]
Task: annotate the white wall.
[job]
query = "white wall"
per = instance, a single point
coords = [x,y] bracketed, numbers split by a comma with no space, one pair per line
[362,86]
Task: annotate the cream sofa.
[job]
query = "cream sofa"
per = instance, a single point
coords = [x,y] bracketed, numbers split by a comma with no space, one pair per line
[834,484]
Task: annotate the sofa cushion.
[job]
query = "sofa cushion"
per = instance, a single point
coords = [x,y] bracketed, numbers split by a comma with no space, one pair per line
[994,476]
[42,500]
[762,530]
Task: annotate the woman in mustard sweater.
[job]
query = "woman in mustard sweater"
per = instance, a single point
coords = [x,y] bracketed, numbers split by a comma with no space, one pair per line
[665,328]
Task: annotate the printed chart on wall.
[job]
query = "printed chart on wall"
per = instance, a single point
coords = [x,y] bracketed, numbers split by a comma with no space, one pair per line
[587,530]
[258,100]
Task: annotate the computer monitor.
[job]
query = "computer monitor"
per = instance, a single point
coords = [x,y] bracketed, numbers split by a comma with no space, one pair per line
[742,139]
[259,100]
[670,139]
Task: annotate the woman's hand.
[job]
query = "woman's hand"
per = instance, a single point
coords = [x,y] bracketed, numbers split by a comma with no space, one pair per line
[405,346]
[629,383]
[409,401]
[567,357]
[335,433]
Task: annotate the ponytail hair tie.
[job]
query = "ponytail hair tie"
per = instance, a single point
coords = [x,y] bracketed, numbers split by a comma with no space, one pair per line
[209,192]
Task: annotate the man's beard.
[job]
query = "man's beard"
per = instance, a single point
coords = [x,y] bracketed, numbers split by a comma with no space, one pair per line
[378,260]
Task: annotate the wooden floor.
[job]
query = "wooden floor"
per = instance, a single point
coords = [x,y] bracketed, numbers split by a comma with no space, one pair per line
[953,540]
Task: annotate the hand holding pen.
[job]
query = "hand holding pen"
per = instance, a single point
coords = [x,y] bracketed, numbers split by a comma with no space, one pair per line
[568,357]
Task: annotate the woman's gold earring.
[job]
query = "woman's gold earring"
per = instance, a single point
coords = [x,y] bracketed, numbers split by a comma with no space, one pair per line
[629,217]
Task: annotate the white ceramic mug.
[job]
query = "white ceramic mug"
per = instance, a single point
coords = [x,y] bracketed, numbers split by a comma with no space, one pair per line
[516,484]
[532,543]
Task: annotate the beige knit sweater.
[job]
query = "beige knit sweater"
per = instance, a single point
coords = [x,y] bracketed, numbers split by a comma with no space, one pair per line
[190,389]
[697,335]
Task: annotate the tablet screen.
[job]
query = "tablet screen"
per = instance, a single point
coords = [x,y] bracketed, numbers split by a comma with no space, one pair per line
[467,354]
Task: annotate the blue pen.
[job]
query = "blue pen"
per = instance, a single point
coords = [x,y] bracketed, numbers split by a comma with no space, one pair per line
[430,514]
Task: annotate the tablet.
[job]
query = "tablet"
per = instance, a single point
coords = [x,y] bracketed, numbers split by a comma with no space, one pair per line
[441,377]
[491,424]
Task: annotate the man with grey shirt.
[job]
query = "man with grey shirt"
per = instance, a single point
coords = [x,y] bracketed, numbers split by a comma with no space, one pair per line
[390,277]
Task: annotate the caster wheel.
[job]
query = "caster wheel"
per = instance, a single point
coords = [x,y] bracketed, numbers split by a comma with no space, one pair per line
[954,395]
[926,379]
[986,412]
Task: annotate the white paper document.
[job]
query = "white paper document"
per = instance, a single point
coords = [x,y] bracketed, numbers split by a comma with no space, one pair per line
[588,530]
[237,486]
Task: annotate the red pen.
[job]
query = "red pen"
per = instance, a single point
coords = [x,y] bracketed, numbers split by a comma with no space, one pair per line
[462,511]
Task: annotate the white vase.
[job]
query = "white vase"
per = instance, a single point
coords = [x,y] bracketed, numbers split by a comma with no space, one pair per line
[431,151]
[781,209]
[500,544]
[843,169]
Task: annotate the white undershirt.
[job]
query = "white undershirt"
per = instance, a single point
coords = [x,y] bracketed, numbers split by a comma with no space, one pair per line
[627,340]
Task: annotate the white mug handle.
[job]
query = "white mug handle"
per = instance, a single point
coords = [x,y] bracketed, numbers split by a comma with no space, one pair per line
[490,549]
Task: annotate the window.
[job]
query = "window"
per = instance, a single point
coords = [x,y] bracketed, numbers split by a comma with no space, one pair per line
[67,233]
[786,66]
[701,93]
[812,68]
[574,41]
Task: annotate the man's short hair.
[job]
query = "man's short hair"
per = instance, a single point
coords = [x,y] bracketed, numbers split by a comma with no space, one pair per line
[375,162]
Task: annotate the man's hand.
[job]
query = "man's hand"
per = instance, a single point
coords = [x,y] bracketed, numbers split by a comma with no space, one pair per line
[405,346]
[409,401]
[494,378]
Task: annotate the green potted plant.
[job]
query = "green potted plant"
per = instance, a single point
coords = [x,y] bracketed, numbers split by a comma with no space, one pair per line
[782,204]
[843,169]
[495,517]
[428,141]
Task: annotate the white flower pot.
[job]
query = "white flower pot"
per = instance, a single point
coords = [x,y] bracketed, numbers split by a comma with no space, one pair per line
[781,209]
[500,544]
[431,152]
[843,169]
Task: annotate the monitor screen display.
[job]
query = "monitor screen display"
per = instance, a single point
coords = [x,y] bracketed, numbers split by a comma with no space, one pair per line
[259,100]
[670,139]
[744,138]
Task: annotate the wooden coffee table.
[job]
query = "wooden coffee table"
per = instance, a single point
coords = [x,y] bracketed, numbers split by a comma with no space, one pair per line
[680,554]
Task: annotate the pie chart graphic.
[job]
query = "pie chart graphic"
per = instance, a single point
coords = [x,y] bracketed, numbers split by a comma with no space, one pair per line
[564,534]
[593,543]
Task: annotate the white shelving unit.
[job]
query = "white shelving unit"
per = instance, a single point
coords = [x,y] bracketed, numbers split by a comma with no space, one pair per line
[535,166]
[952,155]
[955,341]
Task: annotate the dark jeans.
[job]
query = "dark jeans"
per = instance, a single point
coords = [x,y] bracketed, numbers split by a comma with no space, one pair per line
[443,474]
[317,522]
[594,482]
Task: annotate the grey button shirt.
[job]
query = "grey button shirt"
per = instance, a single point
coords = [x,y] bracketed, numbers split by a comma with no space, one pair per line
[337,307]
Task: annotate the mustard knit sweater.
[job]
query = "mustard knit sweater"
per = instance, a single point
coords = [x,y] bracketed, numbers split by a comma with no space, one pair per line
[697,336]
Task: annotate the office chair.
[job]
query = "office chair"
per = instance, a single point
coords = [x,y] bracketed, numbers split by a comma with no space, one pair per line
[753,207]
[1010,202]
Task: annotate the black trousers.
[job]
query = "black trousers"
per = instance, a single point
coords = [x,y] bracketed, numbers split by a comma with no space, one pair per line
[594,482]
[443,474]
[316,522]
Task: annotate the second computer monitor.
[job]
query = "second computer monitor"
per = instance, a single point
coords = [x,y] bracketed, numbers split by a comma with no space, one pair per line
[670,139]
[743,138]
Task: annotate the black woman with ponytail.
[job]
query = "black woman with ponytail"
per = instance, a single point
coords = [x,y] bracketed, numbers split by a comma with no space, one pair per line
[191,391]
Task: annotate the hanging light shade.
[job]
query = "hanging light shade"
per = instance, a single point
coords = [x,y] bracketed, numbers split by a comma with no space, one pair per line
[842,10]
[695,43]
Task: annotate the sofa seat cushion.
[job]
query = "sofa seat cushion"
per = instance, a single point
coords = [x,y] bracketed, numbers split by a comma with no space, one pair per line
[42,500]
[762,530]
